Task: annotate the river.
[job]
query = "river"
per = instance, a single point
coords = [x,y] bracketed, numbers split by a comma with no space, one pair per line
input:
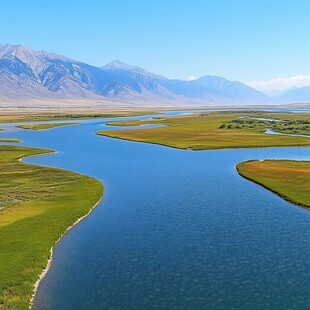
[176,229]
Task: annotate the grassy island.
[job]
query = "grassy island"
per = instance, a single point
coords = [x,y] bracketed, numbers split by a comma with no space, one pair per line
[38,204]
[288,178]
[10,140]
[45,126]
[206,130]
[34,115]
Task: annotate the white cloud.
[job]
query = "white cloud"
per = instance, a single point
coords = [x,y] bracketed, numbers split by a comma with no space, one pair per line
[281,83]
[191,78]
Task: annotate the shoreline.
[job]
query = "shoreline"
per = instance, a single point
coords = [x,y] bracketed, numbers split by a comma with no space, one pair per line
[49,261]
[191,149]
[297,204]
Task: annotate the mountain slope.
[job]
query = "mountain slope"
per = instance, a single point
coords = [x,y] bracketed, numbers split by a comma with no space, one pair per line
[215,89]
[206,89]
[296,95]
[26,73]
[53,76]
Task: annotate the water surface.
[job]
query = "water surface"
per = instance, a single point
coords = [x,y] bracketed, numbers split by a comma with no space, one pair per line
[176,229]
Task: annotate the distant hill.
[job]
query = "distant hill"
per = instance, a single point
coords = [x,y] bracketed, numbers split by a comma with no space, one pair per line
[30,74]
[296,95]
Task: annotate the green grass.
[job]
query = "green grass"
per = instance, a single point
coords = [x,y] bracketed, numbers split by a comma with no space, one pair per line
[287,126]
[22,115]
[10,140]
[288,178]
[44,126]
[39,203]
[201,132]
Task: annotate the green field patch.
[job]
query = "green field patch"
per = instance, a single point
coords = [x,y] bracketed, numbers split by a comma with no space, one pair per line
[44,126]
[10,140]
[38,204]
[203,131]
[288,178]
[287,126]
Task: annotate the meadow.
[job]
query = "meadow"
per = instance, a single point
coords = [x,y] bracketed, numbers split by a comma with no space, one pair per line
[10,140]
[30,115]
[37,205]
[287,178]
[204,131]
[44,126]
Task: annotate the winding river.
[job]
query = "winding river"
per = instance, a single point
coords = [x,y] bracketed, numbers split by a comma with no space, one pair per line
[176,229]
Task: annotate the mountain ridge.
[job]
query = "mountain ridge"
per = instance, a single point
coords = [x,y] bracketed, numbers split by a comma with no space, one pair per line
[295,95]
[27,73]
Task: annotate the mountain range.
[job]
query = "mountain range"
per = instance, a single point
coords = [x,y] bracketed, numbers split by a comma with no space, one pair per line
[27,74]
[295,95]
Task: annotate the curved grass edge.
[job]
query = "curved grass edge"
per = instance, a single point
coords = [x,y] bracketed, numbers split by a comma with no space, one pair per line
[89,207]
[271,189]
[191,148]
[50,259]
[200,132]
[102,133]
[44,126]
[10,140]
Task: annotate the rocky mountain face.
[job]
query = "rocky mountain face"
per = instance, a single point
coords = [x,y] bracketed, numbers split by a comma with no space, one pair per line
[27,74]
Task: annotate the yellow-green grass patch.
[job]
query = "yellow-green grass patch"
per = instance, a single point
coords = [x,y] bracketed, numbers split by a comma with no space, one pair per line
[288,178]
[44,126]
[37,205]
[28,115]
[202,131]
[10,140]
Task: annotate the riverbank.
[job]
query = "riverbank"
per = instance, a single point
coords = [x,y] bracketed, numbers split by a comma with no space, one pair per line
[49,261]
[39,205]
[203,131]
[10,140]
[287,178]
[44,126]
[50,114]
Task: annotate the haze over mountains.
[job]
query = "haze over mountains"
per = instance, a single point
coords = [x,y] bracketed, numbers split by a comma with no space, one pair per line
[293,95]
[27,74]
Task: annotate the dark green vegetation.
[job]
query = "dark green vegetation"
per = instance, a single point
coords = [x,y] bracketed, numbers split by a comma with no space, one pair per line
[9,140]
[44,126]
[299,126]
[37,205]
[202,131]
[287,178]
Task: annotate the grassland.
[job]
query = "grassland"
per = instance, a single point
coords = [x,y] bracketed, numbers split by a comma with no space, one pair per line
[37,205]
[287,126]
[202,131]
[45,126]
[287,178]
[10,140]
[29,115]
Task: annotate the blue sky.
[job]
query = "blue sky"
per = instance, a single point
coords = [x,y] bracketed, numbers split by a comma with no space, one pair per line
[236,39]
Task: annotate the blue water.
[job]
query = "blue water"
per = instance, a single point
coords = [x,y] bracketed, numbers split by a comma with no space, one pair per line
[271,132]
[175,230]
